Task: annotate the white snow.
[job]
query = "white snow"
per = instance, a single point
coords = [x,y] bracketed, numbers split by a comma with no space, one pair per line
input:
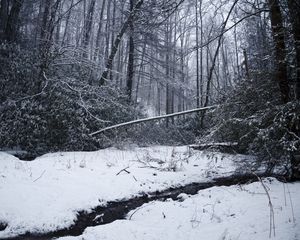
[218,213]
[45,194]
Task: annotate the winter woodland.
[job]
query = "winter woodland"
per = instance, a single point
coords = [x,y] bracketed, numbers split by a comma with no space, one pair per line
[150,119]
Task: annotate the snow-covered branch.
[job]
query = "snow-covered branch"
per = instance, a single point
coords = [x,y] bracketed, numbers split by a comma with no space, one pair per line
[154,118]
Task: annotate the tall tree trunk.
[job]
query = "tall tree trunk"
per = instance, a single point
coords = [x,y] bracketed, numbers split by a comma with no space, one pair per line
[3,16]
[52,21]
[167,68]
[58,26]
[12,21]
[197,58]
[211,70]
[117,42]
[48,26]
[88,27]
[159,98]
[112,38]
[174,66]
[130,69]
[182,74]
[201,53]
[99,30]
[246,64]
[236,55]
[294,9]
[141,70]
[280,50]
[64,39]
[46,13]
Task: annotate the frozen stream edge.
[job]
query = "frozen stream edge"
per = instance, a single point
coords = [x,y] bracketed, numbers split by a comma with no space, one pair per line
[117,210]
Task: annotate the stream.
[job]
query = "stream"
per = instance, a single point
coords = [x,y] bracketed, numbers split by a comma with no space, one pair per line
[117,210]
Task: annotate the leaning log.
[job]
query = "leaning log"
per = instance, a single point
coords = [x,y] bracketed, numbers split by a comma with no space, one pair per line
[153,119]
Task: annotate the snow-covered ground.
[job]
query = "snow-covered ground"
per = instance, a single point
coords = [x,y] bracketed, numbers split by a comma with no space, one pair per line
[218,213]
[45,194]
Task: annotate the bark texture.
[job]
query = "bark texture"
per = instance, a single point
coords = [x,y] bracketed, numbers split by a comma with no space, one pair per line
[280,50]
[294,9]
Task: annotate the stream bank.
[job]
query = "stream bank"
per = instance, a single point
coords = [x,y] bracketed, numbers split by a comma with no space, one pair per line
[117,210]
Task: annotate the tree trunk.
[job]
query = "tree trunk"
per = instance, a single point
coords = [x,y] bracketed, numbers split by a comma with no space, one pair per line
[88,27]
[46,12]
[167,68]
[64,39]
[12,21]
[48,26]
[130,69]
[211,70]
[99,30]
[236,55]
[141,70]
[182,74]
[3,16]
[280,50]
[294,9]
[107,31]
[197,58]
[174,65]
[154,119]
[117,42]
[201,53]
[246,64]
[58,26]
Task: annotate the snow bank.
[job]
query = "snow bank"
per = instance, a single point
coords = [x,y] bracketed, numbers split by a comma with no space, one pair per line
[45,194]
[218,213]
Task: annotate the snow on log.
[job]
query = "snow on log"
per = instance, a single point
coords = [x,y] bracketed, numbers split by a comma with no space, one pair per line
[214,144]
[226,147]
[153,119]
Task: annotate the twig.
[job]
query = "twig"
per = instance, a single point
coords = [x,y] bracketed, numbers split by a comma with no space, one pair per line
[83,104]
[134,178]
[291,202]
[130,217]
[272,216]
[123,170]
[35,95]
[39,176]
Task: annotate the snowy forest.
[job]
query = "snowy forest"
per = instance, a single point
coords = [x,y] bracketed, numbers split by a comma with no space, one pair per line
[113,112]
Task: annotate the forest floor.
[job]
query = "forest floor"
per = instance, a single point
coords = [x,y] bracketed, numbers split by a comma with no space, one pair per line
[53,191]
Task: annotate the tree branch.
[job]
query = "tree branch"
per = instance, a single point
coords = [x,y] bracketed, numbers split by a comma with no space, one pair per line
[153,119]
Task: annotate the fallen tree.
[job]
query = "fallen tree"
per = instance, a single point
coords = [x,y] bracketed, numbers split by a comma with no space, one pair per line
[153,119]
